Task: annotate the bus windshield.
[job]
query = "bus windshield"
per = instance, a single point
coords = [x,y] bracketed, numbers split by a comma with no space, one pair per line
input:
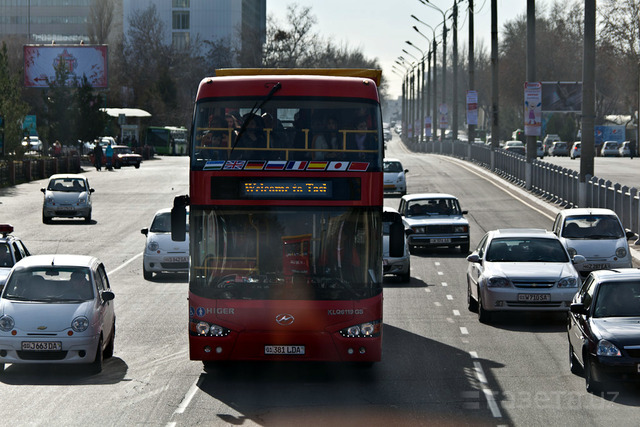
[287,129]
[279,253]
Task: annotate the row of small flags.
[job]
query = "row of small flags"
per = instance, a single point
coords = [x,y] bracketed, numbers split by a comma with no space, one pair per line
[291,165]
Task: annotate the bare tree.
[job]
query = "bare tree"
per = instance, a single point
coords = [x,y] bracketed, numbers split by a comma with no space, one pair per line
[100,20]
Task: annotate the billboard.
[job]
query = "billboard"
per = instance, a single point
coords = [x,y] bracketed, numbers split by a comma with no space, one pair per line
[562,97]
[40,62]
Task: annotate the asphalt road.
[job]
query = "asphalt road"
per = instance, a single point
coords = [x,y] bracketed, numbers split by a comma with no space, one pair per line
[440,365]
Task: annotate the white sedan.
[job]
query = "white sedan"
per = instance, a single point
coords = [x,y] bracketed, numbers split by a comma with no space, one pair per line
[520,269]
[67,196]
[57,309]
[161,253]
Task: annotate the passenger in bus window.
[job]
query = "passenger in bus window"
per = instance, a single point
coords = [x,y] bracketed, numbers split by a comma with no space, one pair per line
[362,140]
[324,136]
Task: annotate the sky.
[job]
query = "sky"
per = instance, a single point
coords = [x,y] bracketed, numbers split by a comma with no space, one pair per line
[380,28]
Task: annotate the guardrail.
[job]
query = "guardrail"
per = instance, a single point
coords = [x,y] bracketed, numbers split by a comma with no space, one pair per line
[553,183]
[14,172]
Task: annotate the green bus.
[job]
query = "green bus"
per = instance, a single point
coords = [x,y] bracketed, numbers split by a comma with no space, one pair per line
[167,140]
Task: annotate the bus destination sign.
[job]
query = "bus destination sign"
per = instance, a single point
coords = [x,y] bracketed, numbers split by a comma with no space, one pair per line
[286,188]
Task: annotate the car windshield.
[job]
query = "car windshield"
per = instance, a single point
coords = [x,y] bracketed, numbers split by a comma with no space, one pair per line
[392,167]
[592,227]
[69,185]
[526,249]
[126,150]
[430,207]
[618,299]
[162,223]
[49,284]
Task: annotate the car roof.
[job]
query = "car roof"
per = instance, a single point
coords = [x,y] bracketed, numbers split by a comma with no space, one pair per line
[67,175]
[586,211]
[391,160]
[389,209]
[522,232]
[617,274]
[57,260]
[420,196]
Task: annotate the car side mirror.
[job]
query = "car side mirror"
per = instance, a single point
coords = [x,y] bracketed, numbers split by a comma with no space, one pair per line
[44,190]
[406,171]
[144,231]
[91,190]
[473,258]
[630,235]
[465,212]
[578,259]
[107,296]
[578,308]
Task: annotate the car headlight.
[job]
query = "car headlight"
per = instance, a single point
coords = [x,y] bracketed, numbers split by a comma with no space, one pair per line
[621,252]
[605,348]
[568,282]
[363,330]
[572,252]
[418,229]
[400,179]
[82,200]
[460,229]
[80,324]
[498,282]
[6,323]
[49,200]
[153,246]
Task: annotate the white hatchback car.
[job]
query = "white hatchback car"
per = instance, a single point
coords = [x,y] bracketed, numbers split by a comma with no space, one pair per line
[57,309]
[161,254]
[395,180]
[399,266]
[67,196]
[597,234]
[520,270]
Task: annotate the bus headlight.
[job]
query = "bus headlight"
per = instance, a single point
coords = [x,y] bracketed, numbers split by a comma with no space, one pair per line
[206,329]
[363,330]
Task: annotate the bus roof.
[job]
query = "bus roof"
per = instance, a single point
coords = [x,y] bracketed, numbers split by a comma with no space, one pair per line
[372,74]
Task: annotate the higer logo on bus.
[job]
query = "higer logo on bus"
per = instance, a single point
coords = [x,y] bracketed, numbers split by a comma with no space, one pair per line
[284,319]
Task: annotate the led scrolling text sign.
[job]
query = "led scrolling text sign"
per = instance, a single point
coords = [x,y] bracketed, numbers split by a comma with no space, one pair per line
[284,188]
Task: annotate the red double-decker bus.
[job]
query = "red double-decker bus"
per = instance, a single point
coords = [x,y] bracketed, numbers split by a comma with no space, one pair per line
[285,216]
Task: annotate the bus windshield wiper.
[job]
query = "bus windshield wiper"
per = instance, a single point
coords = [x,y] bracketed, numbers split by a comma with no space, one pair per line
[255,108]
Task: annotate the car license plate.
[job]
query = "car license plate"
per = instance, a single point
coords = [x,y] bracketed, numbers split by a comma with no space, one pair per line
[440,240]
[65,208]
[534,297]
[176,259]
[41,346]
[591,267]
[283,349]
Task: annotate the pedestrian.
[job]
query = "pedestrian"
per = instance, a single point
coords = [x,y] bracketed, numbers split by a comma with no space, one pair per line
[632,148]
[109,154]
[97,156]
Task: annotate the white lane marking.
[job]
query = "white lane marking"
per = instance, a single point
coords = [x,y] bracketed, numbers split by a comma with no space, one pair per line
[109,273]
[450,297]
[464,331]
[437,304]
[187,398]
[436,263]
[444,284]
[456,312]
[488,394]
[440,273]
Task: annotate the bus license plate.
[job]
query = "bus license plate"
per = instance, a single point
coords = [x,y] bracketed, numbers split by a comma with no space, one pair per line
[41,346]
[283,349]
[534,297]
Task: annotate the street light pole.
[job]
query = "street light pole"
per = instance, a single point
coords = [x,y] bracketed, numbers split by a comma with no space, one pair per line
[421,82]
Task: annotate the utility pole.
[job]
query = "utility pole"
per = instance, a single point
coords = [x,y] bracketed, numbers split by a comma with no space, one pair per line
[588,100]
[531,140]
[454,120]
[495,126]
[471,132]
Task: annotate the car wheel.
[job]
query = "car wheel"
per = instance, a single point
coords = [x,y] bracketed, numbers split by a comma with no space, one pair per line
[406,277]
[148,275]
[574,365]
[96,365]
[45,220]
[87,218]
[412,249]
[118,165]
[484,316]
[1,367]
[108,351]
[137,165]
[472,304]
[464,248]
[590,369]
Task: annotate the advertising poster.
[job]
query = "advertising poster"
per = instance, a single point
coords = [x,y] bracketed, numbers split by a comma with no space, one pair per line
[562,97]
[427,126]
[444,111]
[40,62]
[532,108]
[472,107]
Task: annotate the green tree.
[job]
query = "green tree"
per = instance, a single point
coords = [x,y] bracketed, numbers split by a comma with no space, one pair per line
[89,121]
[12,107]
[59,114]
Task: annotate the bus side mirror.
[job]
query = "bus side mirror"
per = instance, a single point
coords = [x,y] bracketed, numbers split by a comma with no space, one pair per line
[396,240]
[179,219]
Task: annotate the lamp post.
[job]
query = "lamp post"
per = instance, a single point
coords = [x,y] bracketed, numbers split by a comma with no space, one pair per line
[427,96]
[406,94]
[444,48]
[435,76]
[421,91]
